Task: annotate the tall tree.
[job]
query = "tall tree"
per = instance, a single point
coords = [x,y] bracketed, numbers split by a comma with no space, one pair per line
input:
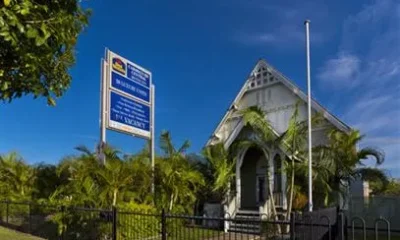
[37,44]
[293,140]
[81,187]
[177,182]
[342,158]
[114,178]
[222,168]
[109,182]
[16,177]
[141,177]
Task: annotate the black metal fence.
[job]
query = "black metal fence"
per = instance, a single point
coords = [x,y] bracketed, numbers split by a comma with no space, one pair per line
[54,222]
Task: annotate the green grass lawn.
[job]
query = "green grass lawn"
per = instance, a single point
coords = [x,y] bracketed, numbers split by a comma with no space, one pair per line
[6,233]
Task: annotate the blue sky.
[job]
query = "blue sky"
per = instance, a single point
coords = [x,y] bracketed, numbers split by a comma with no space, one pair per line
[200,53]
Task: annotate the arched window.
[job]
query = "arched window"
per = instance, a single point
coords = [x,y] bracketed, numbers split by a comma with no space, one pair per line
[277,173]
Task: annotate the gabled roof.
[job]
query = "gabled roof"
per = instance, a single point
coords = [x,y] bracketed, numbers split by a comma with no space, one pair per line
[289,84]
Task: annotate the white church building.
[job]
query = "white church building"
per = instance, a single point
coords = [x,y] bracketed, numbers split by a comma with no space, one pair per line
[277,96]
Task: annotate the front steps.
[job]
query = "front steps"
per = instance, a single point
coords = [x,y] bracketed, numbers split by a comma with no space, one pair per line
[250,221]
[246,221]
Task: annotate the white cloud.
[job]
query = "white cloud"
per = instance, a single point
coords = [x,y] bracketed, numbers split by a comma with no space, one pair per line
[369,52]
[371,102]
[341,70]
[366,70]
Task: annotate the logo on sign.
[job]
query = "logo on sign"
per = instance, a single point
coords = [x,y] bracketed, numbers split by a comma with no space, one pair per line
[118,65]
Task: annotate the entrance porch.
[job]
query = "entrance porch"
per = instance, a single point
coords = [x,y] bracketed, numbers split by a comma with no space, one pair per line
[259,180]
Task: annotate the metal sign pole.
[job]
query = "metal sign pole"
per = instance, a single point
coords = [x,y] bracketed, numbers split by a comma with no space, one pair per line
[103,93]
[152,145]
[103,110]
[310,200]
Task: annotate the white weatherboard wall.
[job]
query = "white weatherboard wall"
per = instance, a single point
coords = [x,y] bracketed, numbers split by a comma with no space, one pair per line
[279,103]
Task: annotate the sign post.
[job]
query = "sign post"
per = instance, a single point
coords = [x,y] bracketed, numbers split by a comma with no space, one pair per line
[103,111]
[152,144]
[127,101]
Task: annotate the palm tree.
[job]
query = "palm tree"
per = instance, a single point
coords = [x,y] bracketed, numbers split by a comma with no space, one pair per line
[293,140]
[16,176]
[222,168]
[92,183]
[81,187]
[343,159]
[294,143]
[141,177]
[114,178]
[177,181]
[377,178]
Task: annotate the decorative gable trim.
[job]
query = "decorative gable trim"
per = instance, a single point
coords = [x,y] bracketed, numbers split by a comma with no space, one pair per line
[254,82]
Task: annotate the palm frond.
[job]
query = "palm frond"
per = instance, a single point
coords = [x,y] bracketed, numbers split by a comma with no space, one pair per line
[377,154]
[256,119]
[166,143]
[184,147]
[374,175]
[84,149]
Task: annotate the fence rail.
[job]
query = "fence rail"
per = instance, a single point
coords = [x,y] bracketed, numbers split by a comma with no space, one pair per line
[65,223]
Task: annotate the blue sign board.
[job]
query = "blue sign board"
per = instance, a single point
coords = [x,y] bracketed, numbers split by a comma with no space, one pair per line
[129,96]
[128,115]
[127,77]
[130,87]
[137,75]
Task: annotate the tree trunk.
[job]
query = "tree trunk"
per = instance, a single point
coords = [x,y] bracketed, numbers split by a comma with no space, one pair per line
[271,197]
[171,202]
[115,197]
[291,193]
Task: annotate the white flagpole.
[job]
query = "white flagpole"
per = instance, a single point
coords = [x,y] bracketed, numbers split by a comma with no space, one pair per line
[310,200]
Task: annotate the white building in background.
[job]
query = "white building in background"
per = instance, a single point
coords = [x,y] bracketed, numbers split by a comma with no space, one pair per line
[277,96]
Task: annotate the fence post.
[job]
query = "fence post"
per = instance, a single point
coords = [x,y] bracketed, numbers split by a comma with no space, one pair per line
[292,226]
[114,222]
[7,211]
[341,226]
[29,217]
[163,226]
[63,222]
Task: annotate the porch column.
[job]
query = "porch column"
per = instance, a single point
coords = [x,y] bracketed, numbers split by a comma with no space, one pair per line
[238,182]
[271,173]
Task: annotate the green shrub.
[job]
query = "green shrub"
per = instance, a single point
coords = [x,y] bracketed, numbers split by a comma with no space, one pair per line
[137,221]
